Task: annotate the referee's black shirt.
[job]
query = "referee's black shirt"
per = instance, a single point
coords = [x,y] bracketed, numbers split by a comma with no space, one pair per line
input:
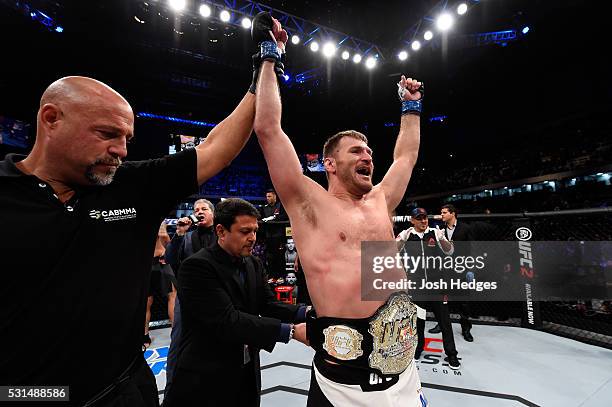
[75,274]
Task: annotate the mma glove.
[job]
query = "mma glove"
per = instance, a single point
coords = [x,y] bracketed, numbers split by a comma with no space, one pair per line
[411,106]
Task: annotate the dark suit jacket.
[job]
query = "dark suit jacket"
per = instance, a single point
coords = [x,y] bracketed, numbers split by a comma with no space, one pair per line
[181,247]
[462,232]
[462,236]
[221,314]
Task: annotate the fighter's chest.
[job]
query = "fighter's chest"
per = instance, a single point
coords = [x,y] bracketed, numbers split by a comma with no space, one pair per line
[352,226]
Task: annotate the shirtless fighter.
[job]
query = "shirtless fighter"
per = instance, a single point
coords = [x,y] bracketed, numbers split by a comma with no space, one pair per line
[364,349]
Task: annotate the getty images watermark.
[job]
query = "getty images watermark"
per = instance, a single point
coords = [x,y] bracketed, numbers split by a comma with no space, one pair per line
[488,270]
[417,278]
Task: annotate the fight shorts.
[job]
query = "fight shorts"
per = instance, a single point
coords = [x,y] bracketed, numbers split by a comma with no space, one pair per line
[368,361]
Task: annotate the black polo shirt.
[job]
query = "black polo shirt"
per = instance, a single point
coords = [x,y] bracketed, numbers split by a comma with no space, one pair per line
[75,275]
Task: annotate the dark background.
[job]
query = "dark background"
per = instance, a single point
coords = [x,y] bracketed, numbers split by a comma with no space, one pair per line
[496,98]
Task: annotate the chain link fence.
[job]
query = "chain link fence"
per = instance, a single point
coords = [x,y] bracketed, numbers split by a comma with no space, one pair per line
[588,320]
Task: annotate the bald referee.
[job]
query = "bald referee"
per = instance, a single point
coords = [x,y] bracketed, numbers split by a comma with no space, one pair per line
[81,226]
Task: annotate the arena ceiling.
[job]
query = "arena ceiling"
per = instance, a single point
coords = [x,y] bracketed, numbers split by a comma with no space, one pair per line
[198,69]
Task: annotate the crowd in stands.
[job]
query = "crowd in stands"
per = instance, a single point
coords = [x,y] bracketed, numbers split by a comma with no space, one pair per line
[237,181]
[572,145]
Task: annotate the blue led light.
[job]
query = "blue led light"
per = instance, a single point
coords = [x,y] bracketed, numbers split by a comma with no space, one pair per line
[175,119]
[59,29]
[437,118]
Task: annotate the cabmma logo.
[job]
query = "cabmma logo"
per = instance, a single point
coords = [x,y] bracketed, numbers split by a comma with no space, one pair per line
[113,214]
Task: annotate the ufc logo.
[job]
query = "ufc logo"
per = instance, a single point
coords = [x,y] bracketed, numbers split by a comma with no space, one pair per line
[525,252]
[376,379]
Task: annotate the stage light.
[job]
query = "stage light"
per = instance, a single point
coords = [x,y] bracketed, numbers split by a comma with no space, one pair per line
[205,10]
[462,9]
[224,16]
[356,58]
[286,77]
[345,55]
[314,46]
[525,30]
[329,49]
[177,5]
[403,55]
[246,22]
[59,29]
[444,22]
[428,35]
[415,45]
[295,40]
[370,62]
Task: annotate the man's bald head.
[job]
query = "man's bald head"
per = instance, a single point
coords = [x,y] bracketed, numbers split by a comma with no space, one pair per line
[82,130]
[79,90]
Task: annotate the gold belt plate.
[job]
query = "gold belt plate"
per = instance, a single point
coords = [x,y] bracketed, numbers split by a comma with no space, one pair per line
[342,342]
[394,335]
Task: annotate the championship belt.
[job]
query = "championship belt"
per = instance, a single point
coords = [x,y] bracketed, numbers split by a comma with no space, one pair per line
[394,335]
[385,342]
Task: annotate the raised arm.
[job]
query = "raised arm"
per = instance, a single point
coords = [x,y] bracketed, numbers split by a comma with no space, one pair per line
[406,151]
[283,163]
[225,141]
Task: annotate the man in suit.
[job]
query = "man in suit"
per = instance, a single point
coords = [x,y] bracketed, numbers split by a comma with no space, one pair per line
[456,231]
[188,240]
[184,243]
[229,313]
[274,233]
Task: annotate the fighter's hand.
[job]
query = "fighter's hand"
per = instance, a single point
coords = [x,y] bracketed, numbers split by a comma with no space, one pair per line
[183,225]
[300,333]
[279,35]
[409,89]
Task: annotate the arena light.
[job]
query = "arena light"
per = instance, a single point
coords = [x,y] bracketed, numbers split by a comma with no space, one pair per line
[205,10]
[224,16]
[370,62]
[416,45]
[295,40]
[403,55]
[246,22]
[329,49]
[177,5]
[356,58]
[345,55]
[462,9]
[428,35]
[444,22]
[314,46]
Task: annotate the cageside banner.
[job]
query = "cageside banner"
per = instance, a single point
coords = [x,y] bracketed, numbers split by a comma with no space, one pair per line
[487,270]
